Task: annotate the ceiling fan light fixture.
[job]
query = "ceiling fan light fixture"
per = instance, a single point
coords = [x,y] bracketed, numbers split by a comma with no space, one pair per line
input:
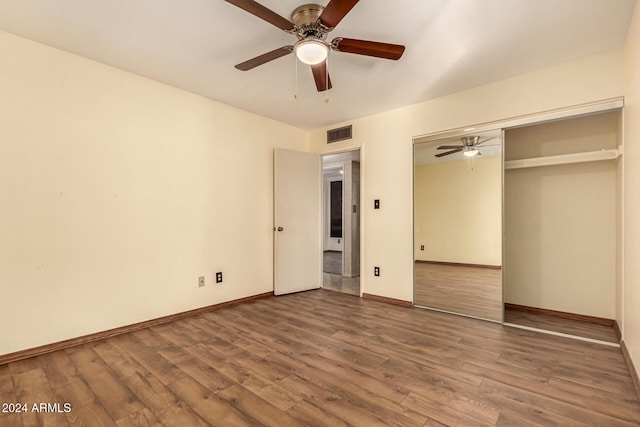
[311,51]
[471,152]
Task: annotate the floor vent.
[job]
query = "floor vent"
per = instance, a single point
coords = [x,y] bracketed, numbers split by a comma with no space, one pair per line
[339,134]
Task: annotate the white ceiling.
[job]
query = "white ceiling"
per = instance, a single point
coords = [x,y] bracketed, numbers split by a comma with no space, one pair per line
[451,45]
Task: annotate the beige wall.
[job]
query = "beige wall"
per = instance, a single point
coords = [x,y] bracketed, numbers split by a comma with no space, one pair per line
[560,221]
[117,192]
[386,157]
[631,325]
[458,211]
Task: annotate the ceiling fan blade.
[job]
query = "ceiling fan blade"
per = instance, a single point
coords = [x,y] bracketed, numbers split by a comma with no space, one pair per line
[264,13]
[449,152]
[488,139]
[369,48]
[449,147]
[264,58]
[335,11]
[321,77]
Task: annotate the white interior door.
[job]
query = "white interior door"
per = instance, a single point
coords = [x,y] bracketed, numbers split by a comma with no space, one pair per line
[297,221]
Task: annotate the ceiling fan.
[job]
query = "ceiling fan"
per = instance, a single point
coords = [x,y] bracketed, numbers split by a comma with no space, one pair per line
[311,23]
[470,146]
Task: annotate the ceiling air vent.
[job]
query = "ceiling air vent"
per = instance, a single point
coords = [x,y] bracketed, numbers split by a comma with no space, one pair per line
[339,134]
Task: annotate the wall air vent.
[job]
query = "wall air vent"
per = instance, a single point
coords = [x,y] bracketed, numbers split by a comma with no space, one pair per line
[339,134]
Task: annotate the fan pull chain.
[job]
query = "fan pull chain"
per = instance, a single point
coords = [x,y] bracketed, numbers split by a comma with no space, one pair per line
[295,92]
[470,169]
[326,76]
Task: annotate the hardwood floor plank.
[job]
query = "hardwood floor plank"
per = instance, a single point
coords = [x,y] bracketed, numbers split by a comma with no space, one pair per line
[553,366]
[510,418]
[414,381]
[6,393]
[162,402]
[580,396]
[354,376]
[332,401]
[554,410]
[626,407]
[59,368]
[157,397]
[148,357]
[206,353]
[77,391]
[314,415]
[427,368]
[374,401]
[270,368]
[199,370]
[32,389]
[270,391]
[262,412]
[178,334]
[116,398]
[450,411]
[142,418]
[318,342]
[24,365]
[434,423]
[91,415]
[209,406]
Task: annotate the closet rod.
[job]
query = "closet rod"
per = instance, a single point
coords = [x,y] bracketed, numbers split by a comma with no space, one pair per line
[563,159]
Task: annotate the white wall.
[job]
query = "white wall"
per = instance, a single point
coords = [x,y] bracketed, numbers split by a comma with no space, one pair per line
[631,322]
[117,192]
[386,157]
[458,211]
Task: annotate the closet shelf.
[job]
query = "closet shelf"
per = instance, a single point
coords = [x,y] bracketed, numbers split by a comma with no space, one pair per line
[563,159]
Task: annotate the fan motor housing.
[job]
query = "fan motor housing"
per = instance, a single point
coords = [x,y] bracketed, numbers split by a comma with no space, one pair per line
[470,141]
[307,14]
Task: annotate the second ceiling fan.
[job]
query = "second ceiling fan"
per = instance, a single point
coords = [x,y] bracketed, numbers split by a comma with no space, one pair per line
[470,146]
[311,23]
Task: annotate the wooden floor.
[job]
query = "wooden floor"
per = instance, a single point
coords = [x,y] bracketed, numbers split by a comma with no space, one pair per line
[565,326]
[326,359]
[473,291]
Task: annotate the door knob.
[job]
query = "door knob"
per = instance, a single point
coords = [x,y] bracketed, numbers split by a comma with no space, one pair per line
[280,228]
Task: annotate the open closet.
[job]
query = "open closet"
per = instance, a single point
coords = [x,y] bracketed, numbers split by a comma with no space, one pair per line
[562,214]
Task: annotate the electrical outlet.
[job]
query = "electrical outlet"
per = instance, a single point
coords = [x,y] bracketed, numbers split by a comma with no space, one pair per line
[422,247]
[219,277]
[376,271]
[200,281]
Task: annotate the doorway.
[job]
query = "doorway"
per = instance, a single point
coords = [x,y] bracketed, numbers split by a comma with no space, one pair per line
[341,222]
